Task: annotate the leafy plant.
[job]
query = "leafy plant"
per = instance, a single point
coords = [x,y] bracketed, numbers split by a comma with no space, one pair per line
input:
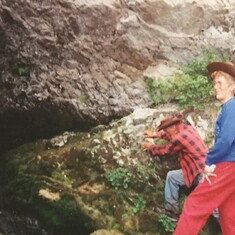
[144,171]
[193,91]
[168,225]
[23,70]
[125,216]
[139,204]
[190,86]
[119,178]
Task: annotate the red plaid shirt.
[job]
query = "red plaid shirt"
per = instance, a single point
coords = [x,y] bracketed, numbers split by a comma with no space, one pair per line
[191,151]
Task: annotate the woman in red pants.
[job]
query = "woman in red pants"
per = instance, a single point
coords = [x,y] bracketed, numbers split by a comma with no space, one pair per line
[218,191]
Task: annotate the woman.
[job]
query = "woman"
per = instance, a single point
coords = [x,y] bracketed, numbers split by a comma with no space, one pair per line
[217,191]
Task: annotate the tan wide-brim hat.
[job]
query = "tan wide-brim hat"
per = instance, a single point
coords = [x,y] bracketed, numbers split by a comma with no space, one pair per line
[170,121]
[226,67]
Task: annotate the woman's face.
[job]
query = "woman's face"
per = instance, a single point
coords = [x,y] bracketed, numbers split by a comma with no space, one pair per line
[224,87]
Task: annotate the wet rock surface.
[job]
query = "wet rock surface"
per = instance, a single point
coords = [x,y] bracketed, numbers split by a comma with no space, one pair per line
[16,224]
[97,180]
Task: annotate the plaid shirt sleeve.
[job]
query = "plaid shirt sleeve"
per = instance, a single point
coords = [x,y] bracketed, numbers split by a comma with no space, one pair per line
[171,147]
[187,140]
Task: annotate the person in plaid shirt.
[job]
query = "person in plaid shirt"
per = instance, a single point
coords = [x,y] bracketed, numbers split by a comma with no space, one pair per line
[185,141]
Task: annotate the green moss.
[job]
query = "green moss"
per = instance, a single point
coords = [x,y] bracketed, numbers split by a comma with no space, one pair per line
[84,99]
[62,178]
[62,215]
[69,169]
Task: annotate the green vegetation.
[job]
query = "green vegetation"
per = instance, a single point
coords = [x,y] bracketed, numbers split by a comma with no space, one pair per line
[84,99]
[167,224]
[190,86]
[143,172]
[119,178]
[51,211]
[139,204]
[61,216]
[23,70]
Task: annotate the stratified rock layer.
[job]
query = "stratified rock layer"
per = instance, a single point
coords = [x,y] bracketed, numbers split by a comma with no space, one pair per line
[72,64]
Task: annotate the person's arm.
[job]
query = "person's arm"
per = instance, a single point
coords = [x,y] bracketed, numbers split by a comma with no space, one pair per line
[156,134]
[225,138]
[170,148]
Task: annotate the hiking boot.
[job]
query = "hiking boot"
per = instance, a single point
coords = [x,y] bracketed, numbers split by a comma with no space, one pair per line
[159,210]
[172,215]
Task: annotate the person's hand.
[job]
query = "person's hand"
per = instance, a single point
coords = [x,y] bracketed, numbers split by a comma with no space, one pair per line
[149,134]
[147,145]
[208,172]
[154,134]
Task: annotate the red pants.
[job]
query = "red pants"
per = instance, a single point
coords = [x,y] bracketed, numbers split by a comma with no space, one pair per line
[200,204]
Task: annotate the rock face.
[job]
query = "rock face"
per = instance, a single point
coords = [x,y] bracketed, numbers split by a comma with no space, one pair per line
[69,64]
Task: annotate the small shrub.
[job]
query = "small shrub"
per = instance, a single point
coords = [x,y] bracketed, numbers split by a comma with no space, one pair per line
[168,225]
[119,178]
[144,171]
[139,204]
[190,86]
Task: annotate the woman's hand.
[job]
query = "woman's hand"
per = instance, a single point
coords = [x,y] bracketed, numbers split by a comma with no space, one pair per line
[208,172]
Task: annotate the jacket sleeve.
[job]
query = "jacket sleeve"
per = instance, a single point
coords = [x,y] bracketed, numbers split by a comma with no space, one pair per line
[225,137]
